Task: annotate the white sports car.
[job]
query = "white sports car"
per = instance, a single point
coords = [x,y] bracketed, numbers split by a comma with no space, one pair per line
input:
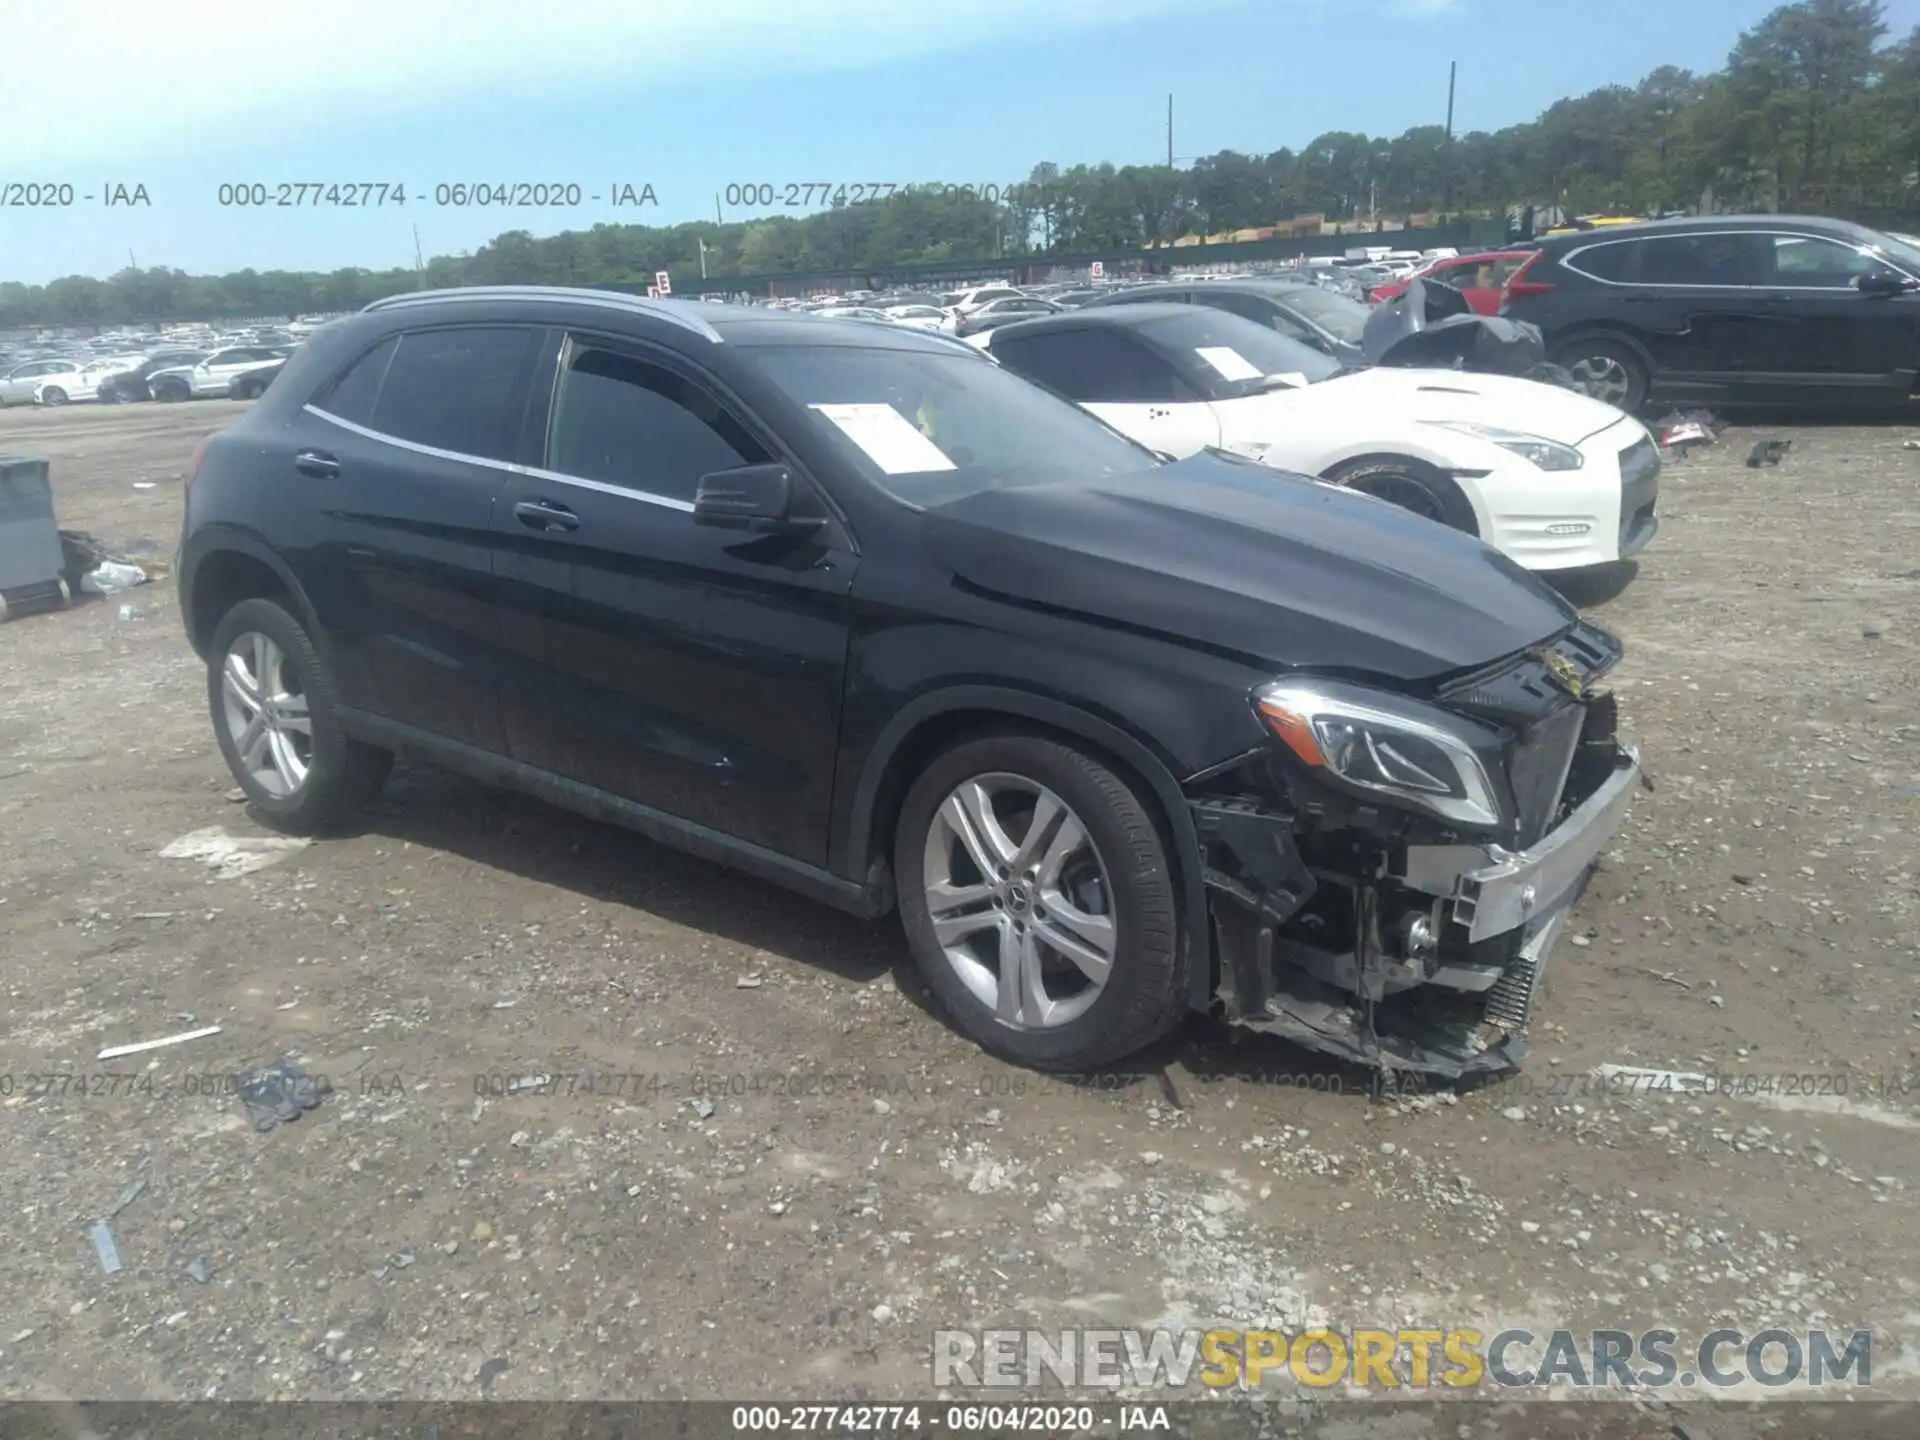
[1553,478]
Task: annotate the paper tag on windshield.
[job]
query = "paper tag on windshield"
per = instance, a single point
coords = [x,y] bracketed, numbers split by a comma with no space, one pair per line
[1291,377]
[1231,364]
[888,437]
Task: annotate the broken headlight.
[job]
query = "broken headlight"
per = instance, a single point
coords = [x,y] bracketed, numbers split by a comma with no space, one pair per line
[1410,752]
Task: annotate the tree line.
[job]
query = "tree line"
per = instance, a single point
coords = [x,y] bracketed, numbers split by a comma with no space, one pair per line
[1814,110]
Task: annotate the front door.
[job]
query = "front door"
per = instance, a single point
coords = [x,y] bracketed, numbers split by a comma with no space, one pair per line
[697,671]
[1834,340]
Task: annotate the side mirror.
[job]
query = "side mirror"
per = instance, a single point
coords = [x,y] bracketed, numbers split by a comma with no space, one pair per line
[749,497]
[1882,283]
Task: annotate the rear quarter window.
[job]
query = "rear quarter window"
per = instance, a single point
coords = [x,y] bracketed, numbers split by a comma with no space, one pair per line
[1612,260]
[352,396]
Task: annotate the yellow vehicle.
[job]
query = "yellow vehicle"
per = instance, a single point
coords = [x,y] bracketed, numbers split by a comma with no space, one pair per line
[1593,222]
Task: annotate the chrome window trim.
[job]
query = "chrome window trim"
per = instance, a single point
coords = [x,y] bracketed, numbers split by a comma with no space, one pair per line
[532,472]
[1567,260]
[563,294]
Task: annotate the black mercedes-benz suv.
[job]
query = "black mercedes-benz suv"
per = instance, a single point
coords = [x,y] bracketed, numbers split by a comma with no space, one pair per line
[853,610]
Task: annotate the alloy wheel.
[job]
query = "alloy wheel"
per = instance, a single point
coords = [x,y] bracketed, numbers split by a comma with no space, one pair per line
[266,714]
[1020,900]
[1602,377]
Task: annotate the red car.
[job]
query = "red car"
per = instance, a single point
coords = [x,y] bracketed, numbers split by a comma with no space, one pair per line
[1478,277]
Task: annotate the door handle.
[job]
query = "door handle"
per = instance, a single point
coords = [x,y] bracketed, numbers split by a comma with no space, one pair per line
[317,463]
[545,515]
[1641,299]
[1775,299]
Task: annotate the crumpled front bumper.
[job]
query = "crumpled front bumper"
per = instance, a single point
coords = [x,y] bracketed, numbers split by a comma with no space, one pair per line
[1503,911]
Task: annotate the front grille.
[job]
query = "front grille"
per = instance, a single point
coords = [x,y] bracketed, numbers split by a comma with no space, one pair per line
[1538,769]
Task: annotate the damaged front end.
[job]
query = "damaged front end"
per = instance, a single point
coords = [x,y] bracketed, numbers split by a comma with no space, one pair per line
[1386,879]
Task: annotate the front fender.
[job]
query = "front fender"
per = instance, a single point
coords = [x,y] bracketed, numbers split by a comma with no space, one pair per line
[854,835]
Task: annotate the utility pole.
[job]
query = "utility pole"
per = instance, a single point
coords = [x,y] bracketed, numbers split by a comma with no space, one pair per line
[1169,132]
[716,209]
[419,263]
[703,256]
[1446,158]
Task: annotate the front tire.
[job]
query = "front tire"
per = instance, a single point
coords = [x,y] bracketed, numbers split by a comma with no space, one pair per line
[1039,903]
[1412,485]
[53,395]
[1608,370]
[277,718]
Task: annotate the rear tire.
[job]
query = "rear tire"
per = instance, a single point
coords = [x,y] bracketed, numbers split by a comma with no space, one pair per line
[277,718]
[1095,881]
[1411,484]
[1608,370]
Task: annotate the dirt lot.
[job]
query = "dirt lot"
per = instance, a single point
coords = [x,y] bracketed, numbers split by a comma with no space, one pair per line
[687,1220]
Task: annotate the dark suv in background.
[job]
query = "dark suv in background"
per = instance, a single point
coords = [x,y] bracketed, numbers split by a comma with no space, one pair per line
[1770,309]
[846,607]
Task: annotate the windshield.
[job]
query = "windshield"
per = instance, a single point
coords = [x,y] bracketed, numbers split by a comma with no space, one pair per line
[1228,355]
[1343,318]
[1904,250]
[929,428]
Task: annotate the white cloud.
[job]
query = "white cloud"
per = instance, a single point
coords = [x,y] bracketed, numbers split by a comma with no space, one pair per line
[90,84]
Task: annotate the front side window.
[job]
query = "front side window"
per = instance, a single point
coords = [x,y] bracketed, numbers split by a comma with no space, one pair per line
[929,428]
[457,389]
[1814,262]
[626,422]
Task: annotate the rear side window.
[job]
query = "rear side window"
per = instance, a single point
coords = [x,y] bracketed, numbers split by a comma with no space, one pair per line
[624,422]
[352,396]
[458,390]
[1726,258]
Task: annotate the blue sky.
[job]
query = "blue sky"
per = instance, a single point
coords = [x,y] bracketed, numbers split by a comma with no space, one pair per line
[690,95]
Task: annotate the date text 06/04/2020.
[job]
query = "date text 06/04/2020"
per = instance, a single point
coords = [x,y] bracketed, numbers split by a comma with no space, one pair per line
[457,195]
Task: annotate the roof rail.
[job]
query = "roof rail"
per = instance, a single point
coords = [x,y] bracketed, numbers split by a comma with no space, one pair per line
[669,310]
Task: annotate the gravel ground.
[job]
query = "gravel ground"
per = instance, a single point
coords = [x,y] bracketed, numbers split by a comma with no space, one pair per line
[761,1167]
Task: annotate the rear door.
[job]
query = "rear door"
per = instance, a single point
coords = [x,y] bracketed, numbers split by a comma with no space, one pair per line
[694,670]
[405,452]
[1119,378]
[1697,301]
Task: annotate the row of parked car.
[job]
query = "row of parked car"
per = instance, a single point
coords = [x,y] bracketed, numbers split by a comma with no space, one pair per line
[240,372]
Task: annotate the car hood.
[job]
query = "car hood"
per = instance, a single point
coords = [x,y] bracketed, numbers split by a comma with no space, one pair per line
[1507,401]
[1235,556]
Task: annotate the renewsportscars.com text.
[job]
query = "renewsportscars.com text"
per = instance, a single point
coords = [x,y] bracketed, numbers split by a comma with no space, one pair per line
[1400,1359]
